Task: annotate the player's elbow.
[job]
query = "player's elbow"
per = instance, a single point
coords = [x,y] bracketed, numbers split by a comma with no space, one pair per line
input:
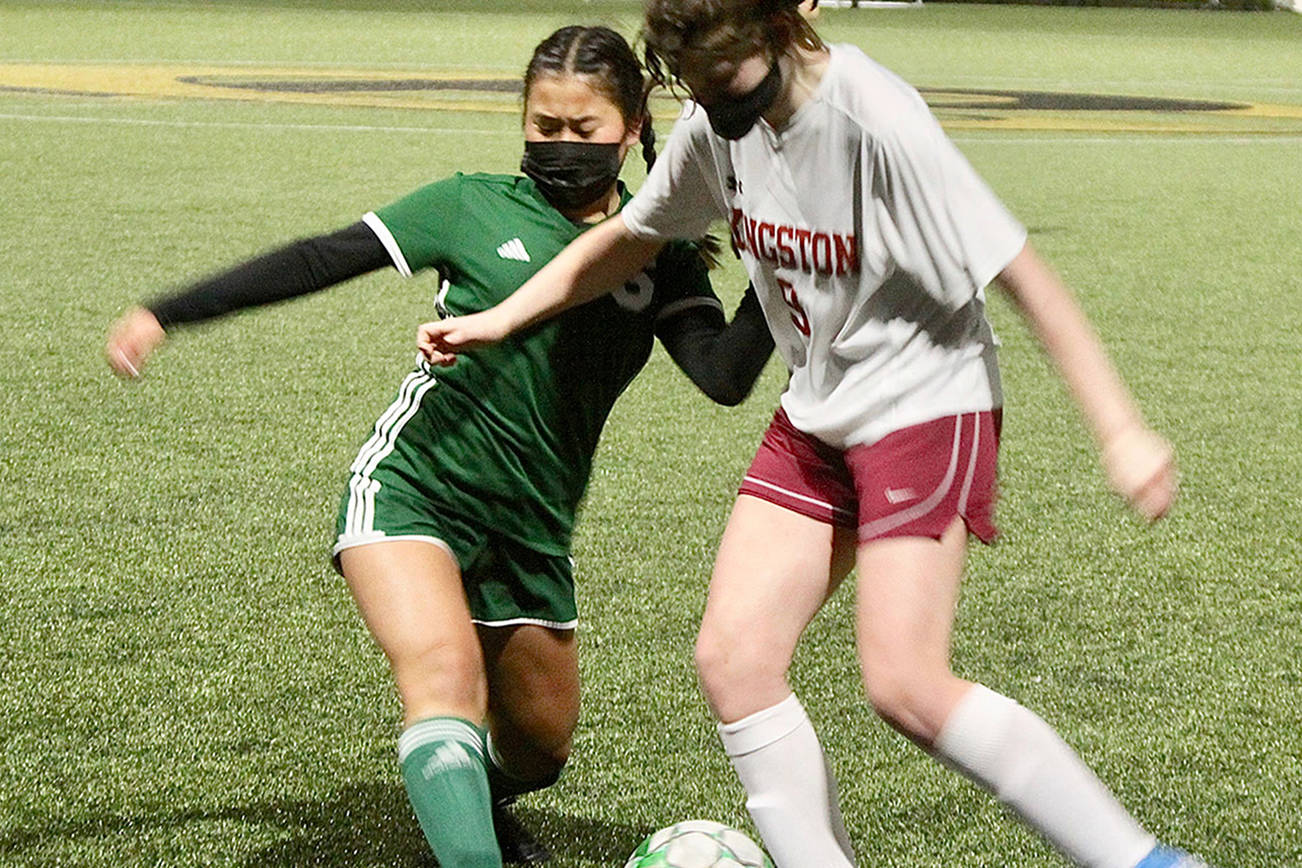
[722,390]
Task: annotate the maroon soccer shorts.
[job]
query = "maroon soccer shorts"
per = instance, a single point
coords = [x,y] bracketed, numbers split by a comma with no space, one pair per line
[912,482]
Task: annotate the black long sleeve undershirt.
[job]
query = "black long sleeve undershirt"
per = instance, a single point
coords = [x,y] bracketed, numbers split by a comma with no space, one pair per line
[305,266]
[722,359]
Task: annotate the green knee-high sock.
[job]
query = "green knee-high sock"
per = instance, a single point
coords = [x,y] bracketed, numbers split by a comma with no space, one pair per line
[442,761]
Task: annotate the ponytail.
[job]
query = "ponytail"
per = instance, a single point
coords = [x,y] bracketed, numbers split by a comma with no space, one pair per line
[648,140]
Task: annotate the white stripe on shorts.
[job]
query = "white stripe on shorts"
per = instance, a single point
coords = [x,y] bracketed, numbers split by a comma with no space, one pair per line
[360,518]
[890,522]
[797,495]
[971,468]
[537,622]
[351,542]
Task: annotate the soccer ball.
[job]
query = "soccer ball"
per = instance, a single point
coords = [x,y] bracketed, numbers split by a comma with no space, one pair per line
[698,844]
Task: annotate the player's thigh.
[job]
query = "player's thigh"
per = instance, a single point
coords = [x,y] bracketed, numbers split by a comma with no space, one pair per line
[774,570]
[410,595]
[907,595]
[533,691]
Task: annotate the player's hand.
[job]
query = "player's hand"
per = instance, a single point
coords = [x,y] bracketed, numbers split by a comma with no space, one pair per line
[441,340]
[1140,465]
[131,340]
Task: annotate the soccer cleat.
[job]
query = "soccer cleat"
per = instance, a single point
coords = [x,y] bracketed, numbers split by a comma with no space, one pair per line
[518,846]
[1170,857]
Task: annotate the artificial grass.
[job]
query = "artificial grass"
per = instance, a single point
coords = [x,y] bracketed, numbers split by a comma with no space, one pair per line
[184,681]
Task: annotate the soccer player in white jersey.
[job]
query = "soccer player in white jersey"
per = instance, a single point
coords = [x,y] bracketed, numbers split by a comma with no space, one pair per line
[870,240]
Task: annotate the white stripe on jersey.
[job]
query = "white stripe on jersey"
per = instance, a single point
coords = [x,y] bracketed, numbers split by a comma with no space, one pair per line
[514,249]
[371,219]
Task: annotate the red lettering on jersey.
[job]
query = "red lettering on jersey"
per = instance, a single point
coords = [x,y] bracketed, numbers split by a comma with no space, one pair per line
[847,254]
[798,316]
[738,235]
[791,247]
[786,256]
[802,239]
[764,250]
[822,263]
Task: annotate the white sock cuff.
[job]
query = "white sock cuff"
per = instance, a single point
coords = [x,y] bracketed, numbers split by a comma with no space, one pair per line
[490,750]
[763,728]
[979,715]
[436,729]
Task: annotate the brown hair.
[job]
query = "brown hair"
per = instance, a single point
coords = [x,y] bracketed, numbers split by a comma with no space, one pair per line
[682,31]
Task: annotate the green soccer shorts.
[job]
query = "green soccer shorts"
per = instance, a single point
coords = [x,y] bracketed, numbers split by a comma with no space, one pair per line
[506,582]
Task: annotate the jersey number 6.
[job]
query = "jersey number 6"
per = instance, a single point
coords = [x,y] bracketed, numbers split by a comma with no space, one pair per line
[798,315]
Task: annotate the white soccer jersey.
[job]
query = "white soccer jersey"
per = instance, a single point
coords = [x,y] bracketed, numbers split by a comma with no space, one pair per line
[869,238]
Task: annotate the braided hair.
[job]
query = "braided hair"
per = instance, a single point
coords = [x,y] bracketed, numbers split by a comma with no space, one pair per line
[606,58]
[603,55]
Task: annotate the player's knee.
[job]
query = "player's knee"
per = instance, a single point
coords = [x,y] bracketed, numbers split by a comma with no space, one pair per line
[534,750]
[545,758]
[437,676]
[733,670]
[907,697]
[546,768]
[715,662]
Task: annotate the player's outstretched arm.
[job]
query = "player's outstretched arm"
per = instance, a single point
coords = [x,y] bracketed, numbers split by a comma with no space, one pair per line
[298,268]
[1139,463]
[600,259]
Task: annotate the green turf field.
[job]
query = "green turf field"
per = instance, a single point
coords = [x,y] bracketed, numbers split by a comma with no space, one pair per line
[184,681]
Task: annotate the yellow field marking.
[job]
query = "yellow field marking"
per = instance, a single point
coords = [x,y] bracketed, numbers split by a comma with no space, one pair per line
[958,109]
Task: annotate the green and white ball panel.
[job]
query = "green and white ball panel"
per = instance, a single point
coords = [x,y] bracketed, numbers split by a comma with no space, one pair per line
[698,844]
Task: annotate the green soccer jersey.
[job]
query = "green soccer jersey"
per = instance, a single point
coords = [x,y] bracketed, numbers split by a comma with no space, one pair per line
[507,435]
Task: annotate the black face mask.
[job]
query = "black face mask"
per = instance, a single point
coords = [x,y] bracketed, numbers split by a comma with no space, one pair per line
[571,174]
[733,117]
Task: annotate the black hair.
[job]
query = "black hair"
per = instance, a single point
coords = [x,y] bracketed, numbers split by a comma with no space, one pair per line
[607,58]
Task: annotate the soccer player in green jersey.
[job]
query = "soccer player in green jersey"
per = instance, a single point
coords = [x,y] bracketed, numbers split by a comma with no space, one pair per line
[454,532]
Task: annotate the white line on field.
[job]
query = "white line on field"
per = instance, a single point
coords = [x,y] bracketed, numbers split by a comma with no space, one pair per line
[348,128]
[359,65]
[1128,138]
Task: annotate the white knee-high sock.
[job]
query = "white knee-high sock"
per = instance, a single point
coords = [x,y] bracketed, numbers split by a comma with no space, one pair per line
[1018,757]
[790,790]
